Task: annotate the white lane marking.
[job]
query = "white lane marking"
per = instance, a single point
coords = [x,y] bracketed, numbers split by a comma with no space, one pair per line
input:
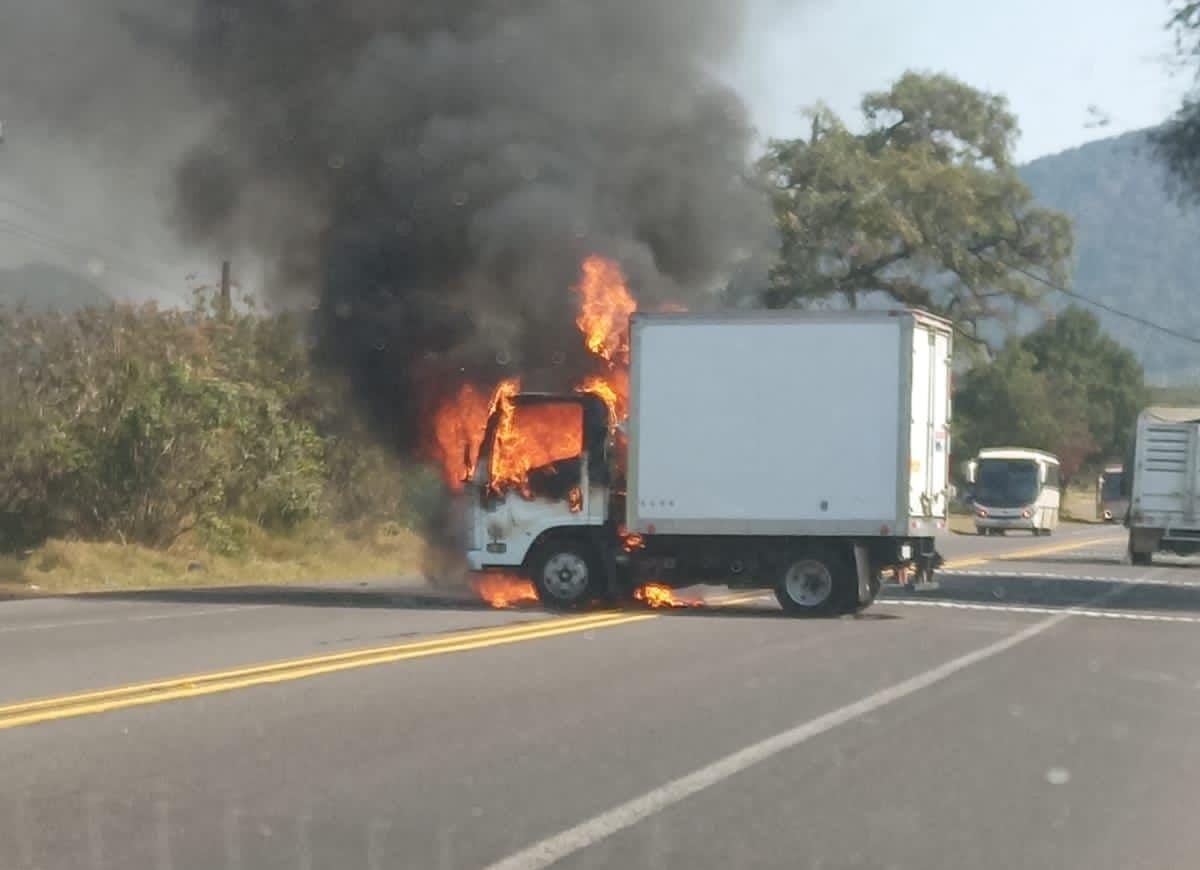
[150,617]
[1023,608]
[1157,579]
[628,814]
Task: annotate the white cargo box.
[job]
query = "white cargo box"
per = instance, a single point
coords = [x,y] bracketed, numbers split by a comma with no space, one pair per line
[1165,492]
[789,423]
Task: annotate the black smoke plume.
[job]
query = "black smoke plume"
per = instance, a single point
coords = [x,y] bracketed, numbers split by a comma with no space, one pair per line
[433,172]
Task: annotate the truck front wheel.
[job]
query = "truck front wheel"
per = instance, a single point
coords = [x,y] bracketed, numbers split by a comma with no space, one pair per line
[815,584]
[566,575]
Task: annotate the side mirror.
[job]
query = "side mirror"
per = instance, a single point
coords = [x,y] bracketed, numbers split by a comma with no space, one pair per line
[972,469]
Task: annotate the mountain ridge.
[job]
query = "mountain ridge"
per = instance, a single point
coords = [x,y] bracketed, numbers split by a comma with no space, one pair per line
[1137,247]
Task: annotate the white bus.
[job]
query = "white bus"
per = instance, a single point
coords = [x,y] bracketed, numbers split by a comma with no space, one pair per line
[1014,488]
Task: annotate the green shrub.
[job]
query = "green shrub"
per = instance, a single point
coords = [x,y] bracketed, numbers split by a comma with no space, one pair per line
[139,424]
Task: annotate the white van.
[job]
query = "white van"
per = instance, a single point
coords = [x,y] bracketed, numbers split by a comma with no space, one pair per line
[1015,488]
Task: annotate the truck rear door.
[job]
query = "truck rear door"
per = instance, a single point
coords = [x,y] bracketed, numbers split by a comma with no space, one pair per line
[1167,468]
[929,437]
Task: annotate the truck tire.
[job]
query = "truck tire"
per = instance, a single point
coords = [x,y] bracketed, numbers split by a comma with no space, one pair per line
[566,575]
[817,583]
[1141,559]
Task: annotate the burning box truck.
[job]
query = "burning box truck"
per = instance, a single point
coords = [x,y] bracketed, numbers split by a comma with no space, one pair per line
[806,453]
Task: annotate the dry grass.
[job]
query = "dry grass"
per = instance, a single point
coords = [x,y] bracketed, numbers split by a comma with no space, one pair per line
[316,553]
[961,524]
[1079,505]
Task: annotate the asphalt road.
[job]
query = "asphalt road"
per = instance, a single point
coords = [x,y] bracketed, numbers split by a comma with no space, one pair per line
[1042,709]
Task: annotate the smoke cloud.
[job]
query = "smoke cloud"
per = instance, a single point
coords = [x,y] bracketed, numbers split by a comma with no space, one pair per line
[429,174]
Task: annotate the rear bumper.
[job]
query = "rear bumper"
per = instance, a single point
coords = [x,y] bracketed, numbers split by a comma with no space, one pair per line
[1017,523]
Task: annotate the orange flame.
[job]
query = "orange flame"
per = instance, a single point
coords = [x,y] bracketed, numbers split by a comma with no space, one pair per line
[658,595]
[613,389]
[537,435]
[631,541]
[458,425]
[530,437]
[605,307]
[504,590]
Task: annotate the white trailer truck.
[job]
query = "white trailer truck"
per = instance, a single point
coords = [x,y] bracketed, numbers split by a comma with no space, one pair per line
[1164,505]
[801,452]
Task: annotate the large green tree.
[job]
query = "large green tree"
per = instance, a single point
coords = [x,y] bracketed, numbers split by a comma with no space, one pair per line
[1072,348]
[921,202]
[1067,387]
[1010,402]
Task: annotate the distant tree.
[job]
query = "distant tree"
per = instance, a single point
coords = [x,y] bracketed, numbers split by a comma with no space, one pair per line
[1011,403]
[924,205]
[1178,140]
[1067,388]
[1073,348]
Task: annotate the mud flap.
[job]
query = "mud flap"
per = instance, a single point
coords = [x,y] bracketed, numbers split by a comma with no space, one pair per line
[862,566]
[614,588]
[924,580]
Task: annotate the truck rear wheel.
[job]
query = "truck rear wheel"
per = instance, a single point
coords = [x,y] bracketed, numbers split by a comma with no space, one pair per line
[1141,559]
[566,575]
[819,583]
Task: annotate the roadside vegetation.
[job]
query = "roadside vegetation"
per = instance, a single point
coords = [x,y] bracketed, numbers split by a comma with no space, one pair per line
[144,446]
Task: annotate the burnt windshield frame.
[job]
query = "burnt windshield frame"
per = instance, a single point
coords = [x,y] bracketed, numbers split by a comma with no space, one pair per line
[596,425]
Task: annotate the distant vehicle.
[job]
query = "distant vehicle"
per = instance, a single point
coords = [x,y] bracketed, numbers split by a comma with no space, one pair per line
[1015,488]
[808,453]
[1112,501]
[1164,507]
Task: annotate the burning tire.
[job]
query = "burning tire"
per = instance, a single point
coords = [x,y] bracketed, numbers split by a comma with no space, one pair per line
[566,575]
[820,583]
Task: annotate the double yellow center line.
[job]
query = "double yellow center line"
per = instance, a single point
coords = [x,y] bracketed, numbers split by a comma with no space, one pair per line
[1028,553]
[139,694]
[211,683]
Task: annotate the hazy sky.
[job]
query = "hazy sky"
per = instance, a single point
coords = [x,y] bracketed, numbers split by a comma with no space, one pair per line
[1052,58]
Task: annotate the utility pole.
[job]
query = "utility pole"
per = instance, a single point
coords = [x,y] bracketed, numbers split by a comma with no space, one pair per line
[225,305]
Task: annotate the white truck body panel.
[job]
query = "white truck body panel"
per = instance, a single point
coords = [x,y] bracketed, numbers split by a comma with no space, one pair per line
[1166,491]
[929,440]
[789,423]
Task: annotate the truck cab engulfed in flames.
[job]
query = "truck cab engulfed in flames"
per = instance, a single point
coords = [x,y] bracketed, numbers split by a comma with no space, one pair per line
[544,464]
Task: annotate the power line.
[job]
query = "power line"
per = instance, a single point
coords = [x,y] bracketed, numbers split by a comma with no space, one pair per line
[50,217]
[1166,330]
[133,269]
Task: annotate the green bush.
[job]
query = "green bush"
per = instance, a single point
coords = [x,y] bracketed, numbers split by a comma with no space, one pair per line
[139,424]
